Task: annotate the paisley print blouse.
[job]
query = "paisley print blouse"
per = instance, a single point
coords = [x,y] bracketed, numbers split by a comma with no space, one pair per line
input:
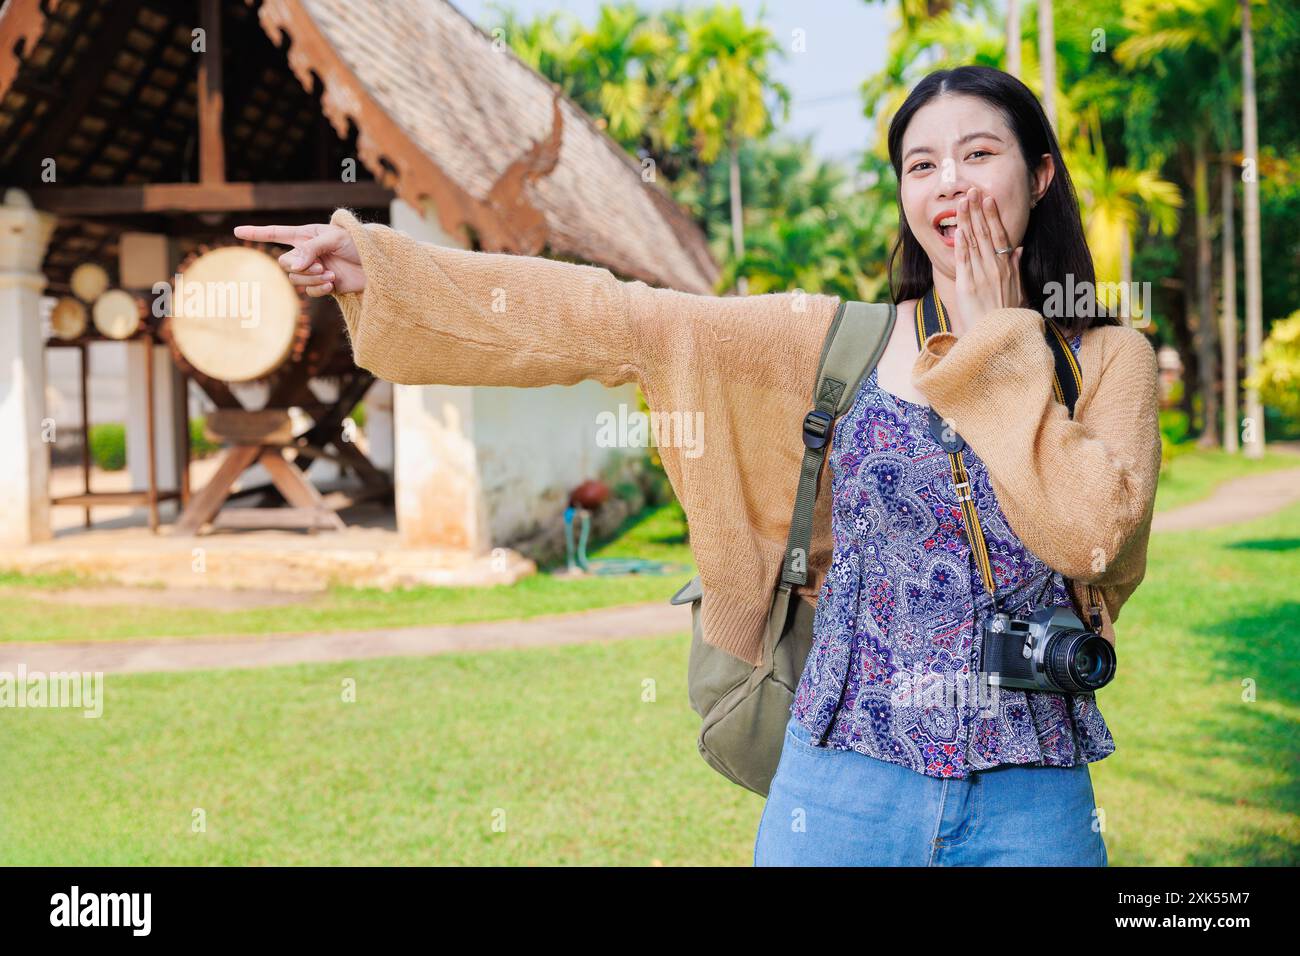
[894,667]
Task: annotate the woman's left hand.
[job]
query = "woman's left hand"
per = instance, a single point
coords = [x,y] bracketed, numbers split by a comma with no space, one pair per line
[986,281]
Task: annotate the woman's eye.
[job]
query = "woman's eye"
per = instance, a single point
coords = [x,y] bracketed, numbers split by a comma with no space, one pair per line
[979,152]
[920,165]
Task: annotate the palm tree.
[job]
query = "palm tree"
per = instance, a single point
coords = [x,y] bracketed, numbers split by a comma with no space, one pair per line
[614,71]
[618,55]
[720,79]
[811,228]
[1205,339]
[941,43]
[542,43]
[1013,38]
[1228,325]
[912,13]
[1250,208]
[1047,59]
[1186,42]
[1113,200]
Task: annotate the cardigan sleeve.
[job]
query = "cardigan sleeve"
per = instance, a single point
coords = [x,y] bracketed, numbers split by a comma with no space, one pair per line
[730,377]
[434,314]
[1078,492]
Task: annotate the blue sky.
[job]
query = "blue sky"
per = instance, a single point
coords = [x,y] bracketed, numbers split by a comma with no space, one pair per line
[844,43]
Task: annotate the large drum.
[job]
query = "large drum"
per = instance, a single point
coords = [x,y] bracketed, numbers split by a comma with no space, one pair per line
[235,315]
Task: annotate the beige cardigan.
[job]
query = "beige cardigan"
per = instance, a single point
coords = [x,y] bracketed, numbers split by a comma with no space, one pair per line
[1079,493]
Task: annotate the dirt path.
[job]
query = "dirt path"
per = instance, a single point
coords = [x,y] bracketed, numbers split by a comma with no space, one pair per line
[181,599]
[176,654]
[1241,499]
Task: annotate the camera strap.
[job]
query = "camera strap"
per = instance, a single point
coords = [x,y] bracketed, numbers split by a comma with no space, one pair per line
[1067,380]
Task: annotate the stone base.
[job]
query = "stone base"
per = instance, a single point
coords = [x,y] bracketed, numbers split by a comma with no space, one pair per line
[264,560]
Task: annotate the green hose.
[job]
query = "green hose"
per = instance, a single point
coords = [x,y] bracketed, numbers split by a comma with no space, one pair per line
[577,557]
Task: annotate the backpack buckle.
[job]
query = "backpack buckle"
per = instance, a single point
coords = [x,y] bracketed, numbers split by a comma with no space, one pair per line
[816,424]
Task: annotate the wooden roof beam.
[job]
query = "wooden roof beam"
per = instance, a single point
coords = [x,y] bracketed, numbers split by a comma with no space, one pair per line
[208,197]
[212,147]
[87,80]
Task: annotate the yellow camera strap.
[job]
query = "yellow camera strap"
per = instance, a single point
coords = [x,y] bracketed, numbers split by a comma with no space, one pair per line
[1067,379]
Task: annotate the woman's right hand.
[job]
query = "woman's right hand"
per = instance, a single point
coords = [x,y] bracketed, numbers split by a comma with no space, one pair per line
[324,259]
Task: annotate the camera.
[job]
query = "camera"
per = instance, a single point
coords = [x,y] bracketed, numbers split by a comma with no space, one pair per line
[1048,649]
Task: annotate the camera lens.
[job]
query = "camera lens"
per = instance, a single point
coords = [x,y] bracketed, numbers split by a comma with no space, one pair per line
[1079,660]
[1088,663]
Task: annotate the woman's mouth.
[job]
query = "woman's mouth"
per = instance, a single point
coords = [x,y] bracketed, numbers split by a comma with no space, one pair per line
[945,224]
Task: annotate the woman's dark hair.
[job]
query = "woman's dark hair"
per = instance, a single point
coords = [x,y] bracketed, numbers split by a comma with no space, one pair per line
[1054,244]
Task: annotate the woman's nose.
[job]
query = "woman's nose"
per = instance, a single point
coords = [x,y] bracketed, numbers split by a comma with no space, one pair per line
[952,184]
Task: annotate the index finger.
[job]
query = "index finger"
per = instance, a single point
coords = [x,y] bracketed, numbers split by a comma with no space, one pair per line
[283,235]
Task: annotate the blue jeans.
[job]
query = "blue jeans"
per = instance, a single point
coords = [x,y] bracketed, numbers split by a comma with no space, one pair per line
[829,807]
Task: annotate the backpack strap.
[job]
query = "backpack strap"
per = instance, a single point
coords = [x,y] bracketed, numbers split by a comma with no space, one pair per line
[854,343]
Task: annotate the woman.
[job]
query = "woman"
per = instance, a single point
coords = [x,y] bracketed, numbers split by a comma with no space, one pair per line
[868,774]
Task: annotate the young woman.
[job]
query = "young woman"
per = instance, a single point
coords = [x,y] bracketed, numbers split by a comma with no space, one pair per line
[893,754]
[988,219]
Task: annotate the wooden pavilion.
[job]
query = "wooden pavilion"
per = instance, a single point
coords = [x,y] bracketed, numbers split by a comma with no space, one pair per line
[135,133]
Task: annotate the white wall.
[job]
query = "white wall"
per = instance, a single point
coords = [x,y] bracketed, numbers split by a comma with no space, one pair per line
[480,466]
[536,445]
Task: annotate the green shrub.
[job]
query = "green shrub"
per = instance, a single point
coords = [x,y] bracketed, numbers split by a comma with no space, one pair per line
[108,446]
[1174,424]
[1278,374]
[1278,427]
[200,445]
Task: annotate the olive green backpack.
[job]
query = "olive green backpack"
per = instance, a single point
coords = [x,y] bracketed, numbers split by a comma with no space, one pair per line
[745,708]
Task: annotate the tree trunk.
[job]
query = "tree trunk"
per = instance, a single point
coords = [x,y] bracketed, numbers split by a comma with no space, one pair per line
[737,219]
[1128,300]
[1253,426]
[1205,324]
[1228,332]
[1047,59]
[1013,38]
[1182,312]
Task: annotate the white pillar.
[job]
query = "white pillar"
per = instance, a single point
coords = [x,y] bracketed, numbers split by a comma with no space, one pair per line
[25,462]
[379,424]
[164,405]
[144,259]
[439,493]
[438,489]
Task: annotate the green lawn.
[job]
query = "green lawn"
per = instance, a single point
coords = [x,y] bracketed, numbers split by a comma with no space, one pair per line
[1201,774]
[587,753]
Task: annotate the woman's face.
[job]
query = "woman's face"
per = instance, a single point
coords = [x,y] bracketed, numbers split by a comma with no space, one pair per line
[953,143]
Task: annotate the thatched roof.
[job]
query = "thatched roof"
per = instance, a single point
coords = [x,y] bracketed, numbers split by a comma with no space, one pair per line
[432,108]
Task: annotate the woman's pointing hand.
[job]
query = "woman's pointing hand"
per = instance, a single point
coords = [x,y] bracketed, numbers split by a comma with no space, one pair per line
[323,260]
